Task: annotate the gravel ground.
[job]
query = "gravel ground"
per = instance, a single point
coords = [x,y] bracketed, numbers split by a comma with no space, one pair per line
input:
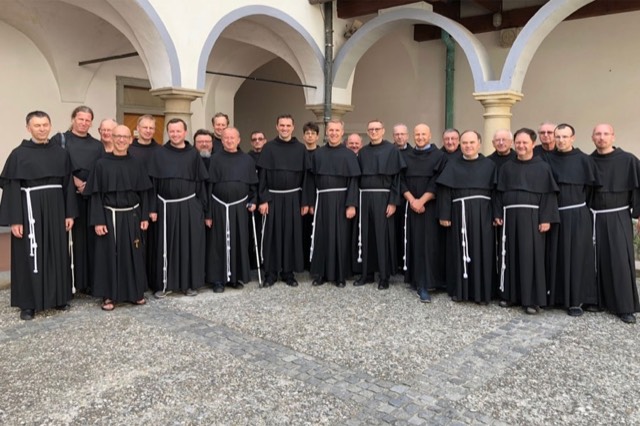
[315,355]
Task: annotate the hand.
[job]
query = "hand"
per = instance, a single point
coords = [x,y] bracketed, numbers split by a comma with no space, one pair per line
[144,225]
[16,230]
[311,211]
[417,205]
[304,210]
[264,209]
[351,212]
[544,227]
[445,223]
[68,224]
[101,230]
[251,208]
[80,184]
[391,209]
[208,223]
[498,222]
[153,217]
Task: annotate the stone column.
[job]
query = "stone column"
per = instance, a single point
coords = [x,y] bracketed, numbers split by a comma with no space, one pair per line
[177,104]
[497,113]
[338,111]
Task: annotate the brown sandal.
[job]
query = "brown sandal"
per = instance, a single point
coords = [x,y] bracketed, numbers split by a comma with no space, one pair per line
[107,305]
[141,302]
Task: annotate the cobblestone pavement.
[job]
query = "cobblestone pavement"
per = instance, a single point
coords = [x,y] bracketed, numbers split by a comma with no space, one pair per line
[315,355]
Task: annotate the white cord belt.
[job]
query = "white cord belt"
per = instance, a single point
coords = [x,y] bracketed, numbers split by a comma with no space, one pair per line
[264,217]
[315,214]
[406,213]
[228,228]
[465,235]
[360,218]
[285,191]
[33,244]
[164,234]
[572,206]
[504,236]
[114,210]
[595,213]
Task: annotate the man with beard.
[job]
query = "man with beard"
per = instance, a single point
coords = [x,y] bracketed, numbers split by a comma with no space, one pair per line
[613,204]
[143,148]
[283,166]
[526,206]
[422,253]
[335,176]
[120,190]
[203,143]
[84,151]
[179,180]
[464,201]
[39,205]
[380,164]
[233,180]
[570,261]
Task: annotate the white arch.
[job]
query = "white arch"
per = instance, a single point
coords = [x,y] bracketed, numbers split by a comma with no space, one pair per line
[530,39]
[351,52]
[302,47]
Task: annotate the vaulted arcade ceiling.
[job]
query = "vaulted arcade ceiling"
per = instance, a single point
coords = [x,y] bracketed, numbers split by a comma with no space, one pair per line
[480,16]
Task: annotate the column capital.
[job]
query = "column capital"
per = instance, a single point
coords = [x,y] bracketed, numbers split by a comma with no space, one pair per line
[506,98]
[337,111]
[497,113]
[177,93]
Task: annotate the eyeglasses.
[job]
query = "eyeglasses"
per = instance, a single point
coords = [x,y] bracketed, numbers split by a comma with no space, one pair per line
[374,129]
[546,132]
[120,136]
[256,139]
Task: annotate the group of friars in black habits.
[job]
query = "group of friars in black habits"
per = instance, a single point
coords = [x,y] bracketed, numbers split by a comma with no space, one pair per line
[534,229]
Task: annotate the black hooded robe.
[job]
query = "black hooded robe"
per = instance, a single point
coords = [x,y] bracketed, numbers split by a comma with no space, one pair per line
[84,152]
[466,186]
[233,181]
[528,194]
[570,260]
[150,236]
[283,167]
[618,173]
[335,174]
[179,178]
[380,165]
[424,258]
[33,165]
[120,189]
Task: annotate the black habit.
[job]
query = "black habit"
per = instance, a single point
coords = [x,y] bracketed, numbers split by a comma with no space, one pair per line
[233,181]
[464,198]
[619,177]
[179,179]
[36,185]
[335,171]
[119,190]
[527,197]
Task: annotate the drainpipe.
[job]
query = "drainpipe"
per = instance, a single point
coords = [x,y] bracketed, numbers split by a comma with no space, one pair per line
[449,69]
[328,59]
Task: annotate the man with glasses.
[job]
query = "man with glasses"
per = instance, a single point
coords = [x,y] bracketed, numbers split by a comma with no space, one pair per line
[503,143]
[381,164]
[451,143]
[105,129]
[547,138]
[203,142]
[257,143]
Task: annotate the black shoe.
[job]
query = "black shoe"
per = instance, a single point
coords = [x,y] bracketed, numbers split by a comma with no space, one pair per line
[383,284]
[317,282]
[362,281]
[291,282]
[575,311]
[341,284]
[628,318]
[27,314]
[455,299]
[218,287]
[64,307]
[268,283]
[424,296]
